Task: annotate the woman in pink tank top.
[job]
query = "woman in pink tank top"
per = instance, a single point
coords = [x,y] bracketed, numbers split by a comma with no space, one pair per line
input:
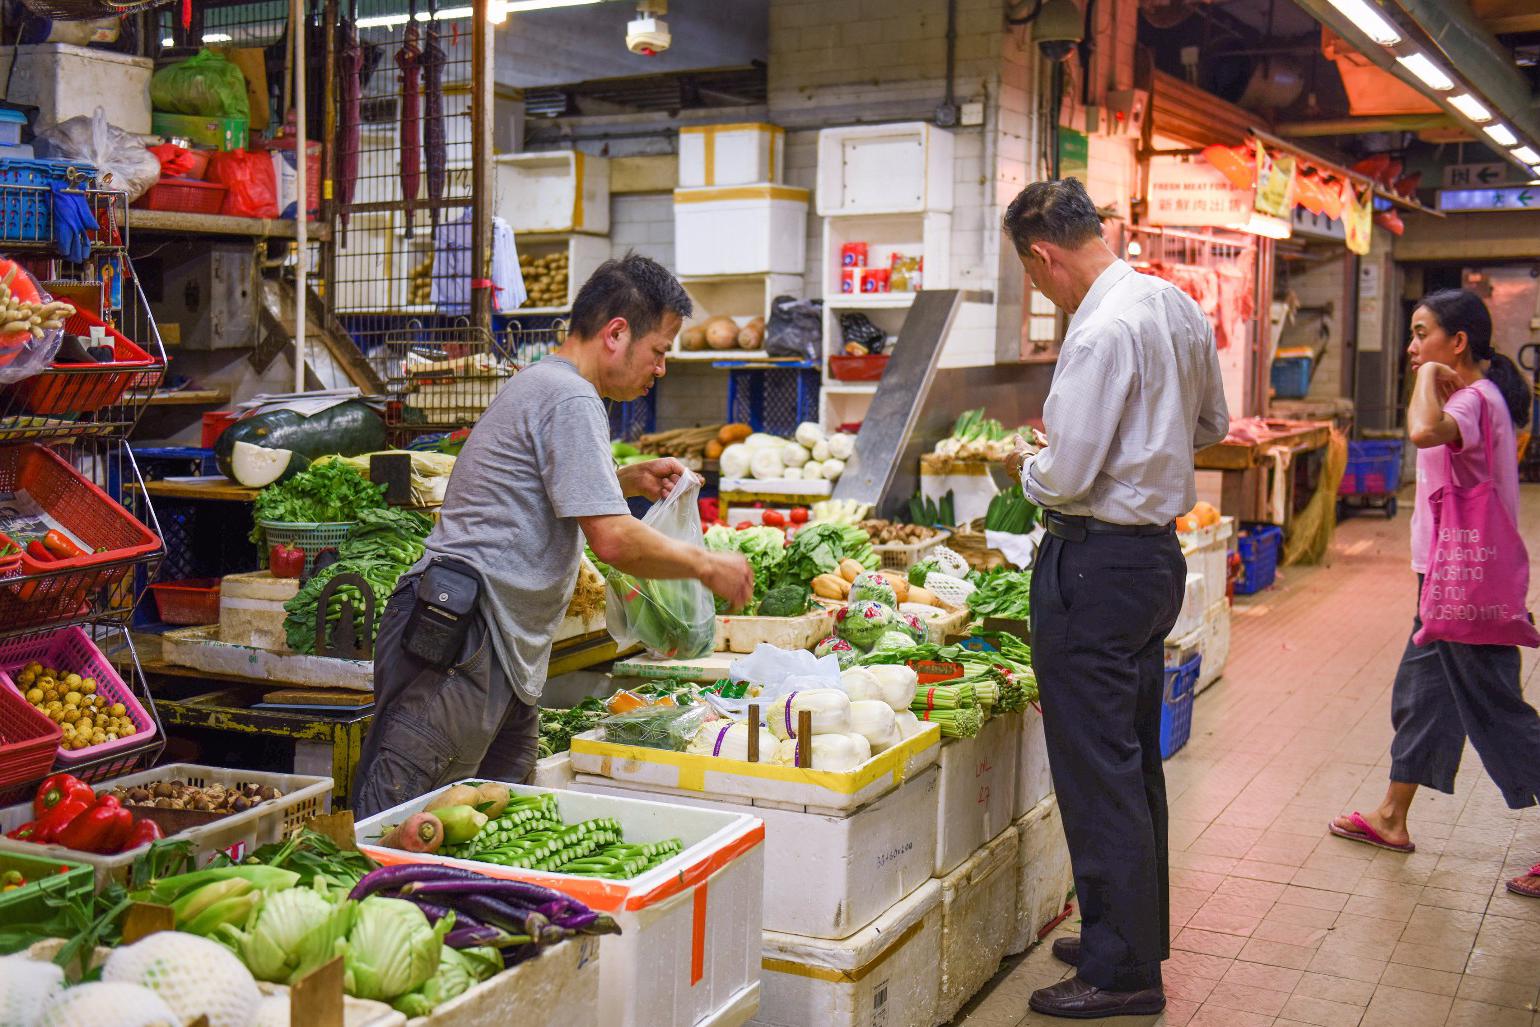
[1466,395]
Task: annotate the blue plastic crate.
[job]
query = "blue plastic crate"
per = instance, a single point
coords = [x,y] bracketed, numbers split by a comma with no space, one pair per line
[1373,468]
[774,399]
[1176,707]
[1259,546]
[631,420]
[1291,377]
[158,462]
[26,202]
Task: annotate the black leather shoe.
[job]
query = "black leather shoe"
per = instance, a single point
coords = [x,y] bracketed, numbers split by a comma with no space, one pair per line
[1067,950]
[1077,1000]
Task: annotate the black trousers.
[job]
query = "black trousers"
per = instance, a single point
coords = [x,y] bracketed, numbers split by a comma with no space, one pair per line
[1445,692]
[1101,611]
[434,726]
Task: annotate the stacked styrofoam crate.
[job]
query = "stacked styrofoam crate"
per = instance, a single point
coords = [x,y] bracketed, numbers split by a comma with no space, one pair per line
[1204,625]
[1043,874]
[732,213]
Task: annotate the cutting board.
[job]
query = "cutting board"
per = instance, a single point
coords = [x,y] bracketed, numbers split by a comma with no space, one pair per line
[312,697]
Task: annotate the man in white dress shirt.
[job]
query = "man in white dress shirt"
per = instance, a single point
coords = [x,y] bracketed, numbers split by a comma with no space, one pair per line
[1136,391]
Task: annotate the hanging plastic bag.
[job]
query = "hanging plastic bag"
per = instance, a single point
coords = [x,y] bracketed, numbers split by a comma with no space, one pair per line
[795,328]
[674,620]
[251,180]
[23,354]
[208,86]
[109,149]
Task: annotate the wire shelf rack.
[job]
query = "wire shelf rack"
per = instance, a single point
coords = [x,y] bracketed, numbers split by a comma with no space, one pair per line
[27,207]
[440,378]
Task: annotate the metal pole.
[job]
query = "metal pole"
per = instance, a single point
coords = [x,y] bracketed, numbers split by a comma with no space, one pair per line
[301,187]
[481,165]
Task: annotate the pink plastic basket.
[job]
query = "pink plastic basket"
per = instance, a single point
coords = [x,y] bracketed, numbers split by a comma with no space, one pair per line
[71,650]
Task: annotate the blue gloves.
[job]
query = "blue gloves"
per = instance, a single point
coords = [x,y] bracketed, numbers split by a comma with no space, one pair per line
[73,223]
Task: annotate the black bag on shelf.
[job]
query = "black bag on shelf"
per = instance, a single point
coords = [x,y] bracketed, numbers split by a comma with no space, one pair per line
[856,327]
[795,328]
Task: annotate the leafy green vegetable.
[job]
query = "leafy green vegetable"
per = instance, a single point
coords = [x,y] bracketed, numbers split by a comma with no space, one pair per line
[326,492]
[1011,511]
[459,970]
[558,726]
[921,570]
[392,949]
[295,931]
[1001,593]
[819,548]
[763,547]
[662,615]
[786,601]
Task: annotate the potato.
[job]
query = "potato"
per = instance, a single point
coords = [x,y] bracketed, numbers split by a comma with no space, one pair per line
[849,569]
[831,586]
[752,335]
[693,339]
[721,333]
[714,450]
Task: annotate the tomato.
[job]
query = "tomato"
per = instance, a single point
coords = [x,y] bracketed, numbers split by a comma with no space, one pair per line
[773,519]
[744,524]
[799,515]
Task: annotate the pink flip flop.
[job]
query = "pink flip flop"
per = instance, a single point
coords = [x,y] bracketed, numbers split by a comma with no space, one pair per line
[1528,884]
[1367,834]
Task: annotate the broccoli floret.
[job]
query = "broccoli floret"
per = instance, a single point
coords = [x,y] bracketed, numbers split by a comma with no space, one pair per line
[786,601]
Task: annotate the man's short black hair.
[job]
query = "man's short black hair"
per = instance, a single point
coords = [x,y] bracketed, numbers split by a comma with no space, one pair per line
[1058,211]
[634,287]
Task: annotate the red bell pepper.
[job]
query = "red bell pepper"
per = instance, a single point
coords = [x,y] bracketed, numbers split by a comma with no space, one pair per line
[39,552]
[286,561]
[144,832]
[46,828]
[57,788]
[102,829]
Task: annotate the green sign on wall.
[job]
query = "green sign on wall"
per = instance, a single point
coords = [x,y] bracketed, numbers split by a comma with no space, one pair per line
[1074,154]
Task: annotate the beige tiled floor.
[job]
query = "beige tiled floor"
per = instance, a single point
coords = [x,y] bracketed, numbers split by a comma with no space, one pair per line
[1275,922]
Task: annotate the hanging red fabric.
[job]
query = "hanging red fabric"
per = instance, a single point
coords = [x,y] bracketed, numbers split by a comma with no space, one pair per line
[186,15]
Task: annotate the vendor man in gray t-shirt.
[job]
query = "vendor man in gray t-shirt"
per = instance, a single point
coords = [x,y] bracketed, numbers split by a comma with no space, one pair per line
[535,478]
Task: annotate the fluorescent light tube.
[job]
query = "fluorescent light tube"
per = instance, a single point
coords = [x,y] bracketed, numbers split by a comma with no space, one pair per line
[1431,74]
[1471,107]
[1502,135]
[1368,20]
[1527,154]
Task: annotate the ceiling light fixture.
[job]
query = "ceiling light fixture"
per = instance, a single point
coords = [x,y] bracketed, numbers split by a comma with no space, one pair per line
[497,13]
[1527,154]
[1502,135]
[1471,107]
[1431,74]
[1368,20]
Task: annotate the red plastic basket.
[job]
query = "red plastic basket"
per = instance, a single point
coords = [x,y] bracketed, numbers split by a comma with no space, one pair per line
[214,424]
[73,389]
[28,739]
[858,369]
[184,196]
[189,601]
[109,533]
[72,651]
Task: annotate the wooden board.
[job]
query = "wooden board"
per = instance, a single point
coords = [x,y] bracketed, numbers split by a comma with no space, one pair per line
[313,697]
[201,648]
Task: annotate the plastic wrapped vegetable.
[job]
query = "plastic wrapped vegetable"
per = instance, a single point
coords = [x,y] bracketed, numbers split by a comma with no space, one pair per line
[122,1005]
[730,741]
[836,752]
[863,622]
[830,708]
[840,649]
[894,641]
[873,586]
[27,985]
[656,727]
[873,720]
[673,619]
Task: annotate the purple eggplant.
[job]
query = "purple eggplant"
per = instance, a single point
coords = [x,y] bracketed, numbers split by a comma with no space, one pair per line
[435,151]
[435,913]
[492,937]
[408,59]
[398,877]
[520,892]
[350,58]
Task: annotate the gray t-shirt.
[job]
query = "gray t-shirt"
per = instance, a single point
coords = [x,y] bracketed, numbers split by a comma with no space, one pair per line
[538,459]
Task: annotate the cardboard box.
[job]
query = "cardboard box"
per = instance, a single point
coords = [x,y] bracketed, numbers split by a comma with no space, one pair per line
[213,133]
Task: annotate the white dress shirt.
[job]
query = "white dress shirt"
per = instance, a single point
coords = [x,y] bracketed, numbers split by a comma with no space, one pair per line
[1136,392]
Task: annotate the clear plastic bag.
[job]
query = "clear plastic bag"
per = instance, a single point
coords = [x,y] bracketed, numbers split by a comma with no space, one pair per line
[22,354]
[109,149]
[656,727]
[674,620]
[795,328]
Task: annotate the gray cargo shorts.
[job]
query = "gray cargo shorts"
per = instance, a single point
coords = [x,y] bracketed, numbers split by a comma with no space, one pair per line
[432,726]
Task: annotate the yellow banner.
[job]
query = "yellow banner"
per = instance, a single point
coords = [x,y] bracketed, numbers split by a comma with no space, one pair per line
[1358,219]
[1275,184]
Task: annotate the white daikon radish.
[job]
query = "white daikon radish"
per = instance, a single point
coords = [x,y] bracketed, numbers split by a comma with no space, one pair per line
[812,471]
[842,446]
[832,469]
[836,752]
[791,474]
[830,708]
[763,440]
[766,463]
[907,723]
[731,741]
[809,434]
[896,684]
[735,460]
[821,450]
[860,683]
[794,454]
[255,466]
[874,721]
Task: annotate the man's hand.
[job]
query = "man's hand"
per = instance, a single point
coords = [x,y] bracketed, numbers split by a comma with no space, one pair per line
[730,577]
[653,479]
[1021,450]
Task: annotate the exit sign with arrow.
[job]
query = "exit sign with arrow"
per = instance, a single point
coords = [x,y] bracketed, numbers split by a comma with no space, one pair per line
[1469,176]
[1518,197]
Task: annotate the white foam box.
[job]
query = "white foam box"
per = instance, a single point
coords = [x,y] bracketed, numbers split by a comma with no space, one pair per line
[1034,782]
[558,988]
[251,609]
[978,921]
[1214,643]
[553,191]
[1208,552]
[740,634]
[885,974]
[885,169]
[554,772]
[737,154]
[978,790]
[690,942]
[65,81]
[1191,617]
[1043,874]
[686,774]
[740,229]
[831,876]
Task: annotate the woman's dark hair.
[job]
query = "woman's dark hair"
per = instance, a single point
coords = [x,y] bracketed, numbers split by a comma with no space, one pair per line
[634,287]
[1460,310]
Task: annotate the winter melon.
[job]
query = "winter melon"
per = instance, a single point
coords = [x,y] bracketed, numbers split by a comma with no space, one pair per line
[347,429]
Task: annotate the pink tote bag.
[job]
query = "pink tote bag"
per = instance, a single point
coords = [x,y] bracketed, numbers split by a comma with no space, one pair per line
[1478,569]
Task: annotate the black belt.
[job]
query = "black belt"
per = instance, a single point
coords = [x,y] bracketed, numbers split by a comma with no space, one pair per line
[1073,528]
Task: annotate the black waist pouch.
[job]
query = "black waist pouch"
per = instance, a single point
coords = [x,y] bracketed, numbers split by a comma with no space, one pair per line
[447,592]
